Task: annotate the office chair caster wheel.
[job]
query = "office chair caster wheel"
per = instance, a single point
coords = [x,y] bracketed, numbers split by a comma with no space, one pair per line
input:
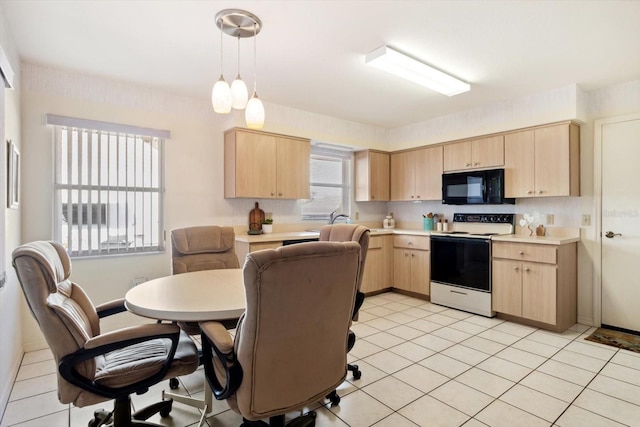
[357,375]
[174,383]
[333,398]
[100,418]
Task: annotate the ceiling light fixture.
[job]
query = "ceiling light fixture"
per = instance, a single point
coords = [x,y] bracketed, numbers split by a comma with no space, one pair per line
[240,24]
[221,93]
[239,95]
[254,114]
[390,60]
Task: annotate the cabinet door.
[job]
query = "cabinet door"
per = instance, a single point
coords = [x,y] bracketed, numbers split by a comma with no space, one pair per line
[457,156]
[428,173]
[293,158]
[519,159]
[402,176]
[539,293]
[402,269]
[420,272]
[487,152]
[373,271]
[255,165]
[506,294]
[552,167]
[372,176]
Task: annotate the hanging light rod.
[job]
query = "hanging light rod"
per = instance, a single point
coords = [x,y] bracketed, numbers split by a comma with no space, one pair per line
[397,63]
[238,23]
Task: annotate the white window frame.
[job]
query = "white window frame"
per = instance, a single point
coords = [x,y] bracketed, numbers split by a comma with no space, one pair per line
[107,215]
[346,157]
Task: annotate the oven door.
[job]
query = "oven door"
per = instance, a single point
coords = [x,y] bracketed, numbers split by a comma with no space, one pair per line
[461,261]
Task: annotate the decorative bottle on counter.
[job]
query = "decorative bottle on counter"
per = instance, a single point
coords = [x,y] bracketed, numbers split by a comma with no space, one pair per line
[389,222]
[445,225]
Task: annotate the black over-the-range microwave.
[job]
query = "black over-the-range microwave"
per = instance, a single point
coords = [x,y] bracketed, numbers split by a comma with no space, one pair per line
[484,187]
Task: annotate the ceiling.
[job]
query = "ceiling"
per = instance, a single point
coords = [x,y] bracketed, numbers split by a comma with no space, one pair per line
[311,52]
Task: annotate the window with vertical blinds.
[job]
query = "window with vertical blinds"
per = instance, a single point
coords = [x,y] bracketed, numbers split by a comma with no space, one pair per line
[109,187]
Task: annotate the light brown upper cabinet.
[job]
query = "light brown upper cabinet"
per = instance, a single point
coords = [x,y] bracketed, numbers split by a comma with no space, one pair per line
[372,176]
[417,174]
[543,162]
[265,165]
[479,153]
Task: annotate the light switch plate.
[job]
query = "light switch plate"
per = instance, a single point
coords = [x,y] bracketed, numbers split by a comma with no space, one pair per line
[586,220]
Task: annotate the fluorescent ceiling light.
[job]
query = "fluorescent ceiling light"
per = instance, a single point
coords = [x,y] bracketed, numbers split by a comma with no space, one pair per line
[394,62]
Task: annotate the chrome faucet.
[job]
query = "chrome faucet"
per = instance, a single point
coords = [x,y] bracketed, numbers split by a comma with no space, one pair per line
[333,217]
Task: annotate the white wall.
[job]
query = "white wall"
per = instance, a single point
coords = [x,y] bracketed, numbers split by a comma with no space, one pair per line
[10,332]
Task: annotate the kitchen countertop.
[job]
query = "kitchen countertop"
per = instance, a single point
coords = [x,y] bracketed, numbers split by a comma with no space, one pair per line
[295,235]
[544,240]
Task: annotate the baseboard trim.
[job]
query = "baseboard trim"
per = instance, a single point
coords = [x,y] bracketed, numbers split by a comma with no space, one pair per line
[6,388]
[35,345]
[586,321]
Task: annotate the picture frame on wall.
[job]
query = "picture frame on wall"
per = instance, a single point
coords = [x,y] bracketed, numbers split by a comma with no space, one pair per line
[13,176]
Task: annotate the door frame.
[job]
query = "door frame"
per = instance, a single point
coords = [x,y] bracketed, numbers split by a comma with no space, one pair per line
[597,193]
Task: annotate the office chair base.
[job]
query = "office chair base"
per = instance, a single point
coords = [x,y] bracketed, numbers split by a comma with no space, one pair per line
[357,374]
[122,416]
[306,420]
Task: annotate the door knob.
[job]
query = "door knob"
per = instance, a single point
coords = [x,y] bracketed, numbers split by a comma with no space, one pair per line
[611,234]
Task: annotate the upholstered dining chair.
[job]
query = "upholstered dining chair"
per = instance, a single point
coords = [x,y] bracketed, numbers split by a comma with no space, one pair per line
[92,366]
[289,346]
[354,233]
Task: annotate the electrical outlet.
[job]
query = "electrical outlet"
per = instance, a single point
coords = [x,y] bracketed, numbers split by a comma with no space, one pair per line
[357,216]
[586,220]
[550,219]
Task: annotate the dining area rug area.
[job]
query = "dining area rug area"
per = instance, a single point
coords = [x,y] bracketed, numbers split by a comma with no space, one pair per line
[618,339]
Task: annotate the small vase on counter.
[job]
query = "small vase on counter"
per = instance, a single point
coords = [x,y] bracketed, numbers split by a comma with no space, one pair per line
[389,222]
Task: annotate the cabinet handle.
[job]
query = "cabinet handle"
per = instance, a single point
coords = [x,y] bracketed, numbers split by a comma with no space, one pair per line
[529,192]
[458,292]
[410,243]
[520,253]
[273,194]
[418,196]
[540,191]
[373,197]
[406,254]
[475,163]
[279,194]
[516,268]
[467,164]
[412,196]
[412,255]
[526,269]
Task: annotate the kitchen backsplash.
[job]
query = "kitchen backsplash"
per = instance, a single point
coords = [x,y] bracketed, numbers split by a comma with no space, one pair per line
[566,211]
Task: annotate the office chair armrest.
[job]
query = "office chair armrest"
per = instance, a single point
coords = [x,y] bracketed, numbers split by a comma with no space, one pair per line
[114,341]
[112,307]
[216,339]
[132,332]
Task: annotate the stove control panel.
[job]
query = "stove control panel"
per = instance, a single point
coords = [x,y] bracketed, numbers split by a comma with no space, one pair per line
[484,218]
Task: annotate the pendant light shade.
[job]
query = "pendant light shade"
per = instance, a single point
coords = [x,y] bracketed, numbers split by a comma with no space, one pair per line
[239,94]
[254,114]
[221,97]
[240,24]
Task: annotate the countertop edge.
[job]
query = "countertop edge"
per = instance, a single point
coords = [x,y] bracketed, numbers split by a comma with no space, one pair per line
[540,240]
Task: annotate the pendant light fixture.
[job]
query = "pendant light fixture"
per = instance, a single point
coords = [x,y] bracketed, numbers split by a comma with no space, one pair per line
[221,93]
[239,94]
[254,114]
[241,24]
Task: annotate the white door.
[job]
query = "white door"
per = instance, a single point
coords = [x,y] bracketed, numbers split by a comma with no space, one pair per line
[621,223]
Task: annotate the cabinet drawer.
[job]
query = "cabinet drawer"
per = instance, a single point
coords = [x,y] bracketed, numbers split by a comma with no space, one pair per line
[526,252]
[411,242]
[376,242]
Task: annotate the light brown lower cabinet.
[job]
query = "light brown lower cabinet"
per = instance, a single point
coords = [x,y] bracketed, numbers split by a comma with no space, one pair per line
[536,282]
[411,263]
[243,248]
[377,268]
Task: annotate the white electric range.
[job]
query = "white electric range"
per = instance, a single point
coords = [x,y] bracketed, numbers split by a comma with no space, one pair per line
[461,261]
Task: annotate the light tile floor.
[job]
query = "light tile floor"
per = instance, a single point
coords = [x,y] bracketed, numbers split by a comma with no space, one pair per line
[422,364]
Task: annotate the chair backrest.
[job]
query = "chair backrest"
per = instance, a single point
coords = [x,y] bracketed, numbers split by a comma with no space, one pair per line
[348,233]
[66,315]
[291,340]
[207,247]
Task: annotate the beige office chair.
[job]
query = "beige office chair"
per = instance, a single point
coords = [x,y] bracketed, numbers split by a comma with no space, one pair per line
[289,348]
[95,367]
[345,233]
